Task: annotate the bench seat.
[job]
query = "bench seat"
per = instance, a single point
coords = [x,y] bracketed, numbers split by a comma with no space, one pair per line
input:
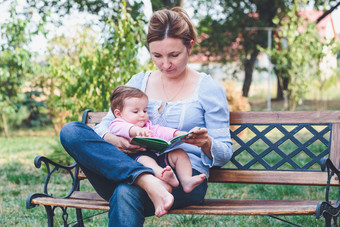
[91,200]
[275,148]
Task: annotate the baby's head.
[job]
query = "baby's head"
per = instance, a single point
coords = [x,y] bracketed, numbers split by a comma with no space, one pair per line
[130,104]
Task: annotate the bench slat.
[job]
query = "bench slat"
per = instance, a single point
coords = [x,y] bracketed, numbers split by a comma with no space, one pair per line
[279,117]
[289,117]
[251,207]
[86,196]
[74,203]
[270,177]
[91,200]
[335,145]
[95,117]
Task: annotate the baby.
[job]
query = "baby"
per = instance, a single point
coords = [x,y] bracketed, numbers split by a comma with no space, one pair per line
[129,106]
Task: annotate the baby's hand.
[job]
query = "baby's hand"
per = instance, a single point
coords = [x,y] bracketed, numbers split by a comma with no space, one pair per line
[179,133]
[143,132]
[138,131]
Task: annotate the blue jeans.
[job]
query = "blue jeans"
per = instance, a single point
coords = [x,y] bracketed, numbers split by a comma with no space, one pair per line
[112,173]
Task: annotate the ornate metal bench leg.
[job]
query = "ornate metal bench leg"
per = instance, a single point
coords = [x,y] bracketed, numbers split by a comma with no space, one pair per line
[335,219]
[79,218]
[325,208]
[50,215]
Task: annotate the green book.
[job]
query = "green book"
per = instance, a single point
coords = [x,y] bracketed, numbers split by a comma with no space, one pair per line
[157,145]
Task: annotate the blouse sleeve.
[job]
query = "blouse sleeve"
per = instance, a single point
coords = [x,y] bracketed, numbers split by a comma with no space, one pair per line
[216,115]
[103,127]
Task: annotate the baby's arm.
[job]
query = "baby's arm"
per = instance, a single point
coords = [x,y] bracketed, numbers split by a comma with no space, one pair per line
[138,131]
[179,133]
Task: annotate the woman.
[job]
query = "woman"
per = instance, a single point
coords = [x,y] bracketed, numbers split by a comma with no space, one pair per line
[179,97]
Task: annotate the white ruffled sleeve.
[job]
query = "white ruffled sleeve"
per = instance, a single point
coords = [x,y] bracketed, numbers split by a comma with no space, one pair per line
[214,102]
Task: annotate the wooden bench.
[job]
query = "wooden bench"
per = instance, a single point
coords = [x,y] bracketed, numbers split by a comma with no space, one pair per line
[284,137]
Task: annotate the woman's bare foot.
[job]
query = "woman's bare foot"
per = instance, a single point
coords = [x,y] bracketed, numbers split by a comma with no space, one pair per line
[158,191]
[169,176]
[192,182]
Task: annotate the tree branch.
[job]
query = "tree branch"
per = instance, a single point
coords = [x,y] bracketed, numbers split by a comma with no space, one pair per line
[327,12]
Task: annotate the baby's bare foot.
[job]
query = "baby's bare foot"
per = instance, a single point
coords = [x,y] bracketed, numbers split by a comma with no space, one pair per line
[169,176]
[192,182]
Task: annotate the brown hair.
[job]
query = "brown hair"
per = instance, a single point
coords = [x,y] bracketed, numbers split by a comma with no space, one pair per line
[122,92]
[173,23]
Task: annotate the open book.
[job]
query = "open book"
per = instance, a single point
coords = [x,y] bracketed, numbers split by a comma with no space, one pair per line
[157,145]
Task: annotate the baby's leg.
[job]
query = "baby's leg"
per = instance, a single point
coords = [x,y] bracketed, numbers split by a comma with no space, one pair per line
[181,162]
[166,174]
[158,191]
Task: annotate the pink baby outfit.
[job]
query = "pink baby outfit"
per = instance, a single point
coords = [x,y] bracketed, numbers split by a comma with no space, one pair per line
[120,127]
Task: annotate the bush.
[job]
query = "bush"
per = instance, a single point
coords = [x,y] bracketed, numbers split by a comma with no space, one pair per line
[236,101]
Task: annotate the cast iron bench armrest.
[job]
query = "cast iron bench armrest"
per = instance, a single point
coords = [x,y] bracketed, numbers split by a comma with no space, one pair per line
[326,208]
[52,167]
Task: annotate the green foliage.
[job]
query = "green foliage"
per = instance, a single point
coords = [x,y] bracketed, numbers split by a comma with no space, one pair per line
[299,54]
[232,30]
[16,64]
[14,61]
[103,8]
[83,72]
[35,105]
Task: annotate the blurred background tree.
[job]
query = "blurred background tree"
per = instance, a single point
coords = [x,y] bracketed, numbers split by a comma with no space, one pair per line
[298,55]
[83,72]
[16,66]
[235,29]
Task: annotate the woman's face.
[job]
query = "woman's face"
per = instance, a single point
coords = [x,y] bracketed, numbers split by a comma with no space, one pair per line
[170,56]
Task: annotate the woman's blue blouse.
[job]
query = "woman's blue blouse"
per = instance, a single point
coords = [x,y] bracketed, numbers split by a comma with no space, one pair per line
[206,108]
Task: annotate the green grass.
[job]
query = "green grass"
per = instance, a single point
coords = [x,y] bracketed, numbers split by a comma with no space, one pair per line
[19,178]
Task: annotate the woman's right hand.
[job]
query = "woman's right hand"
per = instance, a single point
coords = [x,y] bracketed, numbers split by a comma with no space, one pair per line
[122,144]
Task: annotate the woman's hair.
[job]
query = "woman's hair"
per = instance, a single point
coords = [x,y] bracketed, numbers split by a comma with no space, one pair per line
[120,93]
[173,23]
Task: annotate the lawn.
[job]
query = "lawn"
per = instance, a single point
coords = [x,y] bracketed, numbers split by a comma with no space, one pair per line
[19,178]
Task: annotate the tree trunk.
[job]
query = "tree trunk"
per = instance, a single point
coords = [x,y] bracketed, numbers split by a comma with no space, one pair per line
[282,85]
[248,70]
[5,124]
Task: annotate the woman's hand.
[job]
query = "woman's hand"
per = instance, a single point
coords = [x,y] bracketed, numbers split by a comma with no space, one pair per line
[122,143]
[200,138]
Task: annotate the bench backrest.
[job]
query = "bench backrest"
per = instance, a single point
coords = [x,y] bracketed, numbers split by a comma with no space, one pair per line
[285,147]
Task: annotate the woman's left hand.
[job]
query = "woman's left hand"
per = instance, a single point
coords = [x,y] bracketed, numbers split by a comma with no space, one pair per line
[200,138]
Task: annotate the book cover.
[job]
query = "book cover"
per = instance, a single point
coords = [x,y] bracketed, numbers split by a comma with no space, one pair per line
[156,144]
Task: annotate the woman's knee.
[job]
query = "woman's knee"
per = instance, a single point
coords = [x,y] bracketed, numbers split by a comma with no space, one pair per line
[70,129]
[72,132]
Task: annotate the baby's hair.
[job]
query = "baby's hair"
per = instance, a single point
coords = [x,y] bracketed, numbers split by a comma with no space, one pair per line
[122,92]
[173,23]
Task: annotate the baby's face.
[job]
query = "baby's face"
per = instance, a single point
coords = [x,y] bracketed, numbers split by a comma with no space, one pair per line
[135,111]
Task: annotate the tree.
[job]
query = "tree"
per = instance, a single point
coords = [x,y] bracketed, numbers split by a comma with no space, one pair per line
[232,31]
[160,4]
[84,72]
[298,54]
[104,8]
[15,62]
